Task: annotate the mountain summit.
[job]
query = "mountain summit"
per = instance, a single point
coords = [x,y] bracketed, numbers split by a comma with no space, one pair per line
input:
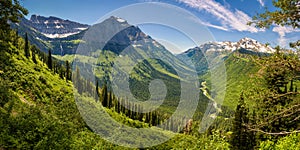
[115,34]
[244,43]
[214,50]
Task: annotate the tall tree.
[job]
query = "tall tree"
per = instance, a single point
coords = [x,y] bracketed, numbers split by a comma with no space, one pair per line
[26,47]
[279,110]
[104,96]
[68,70]
[50,63]
[97,91]
[10,11]
[242,137]
[34,50]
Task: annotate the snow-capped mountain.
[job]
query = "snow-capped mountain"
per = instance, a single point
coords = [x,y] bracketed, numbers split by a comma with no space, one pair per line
[245,43]
[218,50]
[53,27]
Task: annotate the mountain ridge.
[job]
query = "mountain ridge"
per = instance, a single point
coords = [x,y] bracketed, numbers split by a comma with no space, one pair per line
[53,31]
[54,27]
[230,46]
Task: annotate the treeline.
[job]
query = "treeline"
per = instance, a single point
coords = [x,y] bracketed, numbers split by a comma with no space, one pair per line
[277,103]
[132,110]
[63,69]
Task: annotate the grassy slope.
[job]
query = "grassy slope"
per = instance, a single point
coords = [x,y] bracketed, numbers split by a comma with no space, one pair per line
[239,72]
[38,110]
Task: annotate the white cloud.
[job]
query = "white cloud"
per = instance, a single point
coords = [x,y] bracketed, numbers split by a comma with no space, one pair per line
[209,24]
[282,31]
[230,20]
[261,2]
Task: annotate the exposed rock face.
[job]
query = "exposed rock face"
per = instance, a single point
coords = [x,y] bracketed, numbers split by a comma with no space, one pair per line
[54,27]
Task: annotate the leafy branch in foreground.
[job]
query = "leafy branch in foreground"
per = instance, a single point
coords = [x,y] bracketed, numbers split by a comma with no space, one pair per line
[287,14]
[10,11]
[276,97]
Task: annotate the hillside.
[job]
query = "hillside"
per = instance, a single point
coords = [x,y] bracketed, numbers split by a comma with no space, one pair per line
[38,110]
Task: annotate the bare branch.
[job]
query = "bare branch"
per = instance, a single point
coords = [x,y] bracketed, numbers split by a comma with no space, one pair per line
[277,133]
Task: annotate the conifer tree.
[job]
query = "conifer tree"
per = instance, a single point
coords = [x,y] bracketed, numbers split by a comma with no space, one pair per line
[49,63]
[97,91]
[104,96]
[26,47]
[68,76]
[33,52]
[241,137]
[10,11]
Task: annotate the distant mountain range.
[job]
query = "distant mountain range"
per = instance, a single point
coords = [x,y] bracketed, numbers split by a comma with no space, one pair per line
[61,36]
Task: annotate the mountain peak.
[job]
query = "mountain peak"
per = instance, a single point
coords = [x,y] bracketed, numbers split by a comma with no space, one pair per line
[244,43]
[118,19]
[113,20]
[254,45]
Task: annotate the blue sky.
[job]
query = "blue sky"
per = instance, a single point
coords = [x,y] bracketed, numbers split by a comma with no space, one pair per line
[225,20]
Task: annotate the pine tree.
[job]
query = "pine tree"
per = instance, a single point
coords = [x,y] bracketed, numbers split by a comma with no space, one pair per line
[104,96]
[26,48]
[33,51]
[241,137]
[10,11]
[49,63]
[68,70]
[97,91]
[78,83]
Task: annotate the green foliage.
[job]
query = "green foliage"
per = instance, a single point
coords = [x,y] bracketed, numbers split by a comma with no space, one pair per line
[286,14]
[10,11]
[49,63]
[34,50]
[26,47]
[290,142]
[68,71]
[273,101]
[241,137]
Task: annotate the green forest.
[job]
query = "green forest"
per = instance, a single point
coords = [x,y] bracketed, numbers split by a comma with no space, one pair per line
[42,97]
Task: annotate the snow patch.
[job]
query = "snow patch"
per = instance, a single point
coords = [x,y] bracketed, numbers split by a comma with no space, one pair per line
[81,29]
[59,27]
[121,20]
[246,43]
[52,36]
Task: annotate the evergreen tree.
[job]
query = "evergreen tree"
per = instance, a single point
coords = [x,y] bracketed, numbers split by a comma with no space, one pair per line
[104,96]
[97,91]
[33,52]
[10,11]
[49,63]
[26,48]
[242,138]
[78,82]
[68,76]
